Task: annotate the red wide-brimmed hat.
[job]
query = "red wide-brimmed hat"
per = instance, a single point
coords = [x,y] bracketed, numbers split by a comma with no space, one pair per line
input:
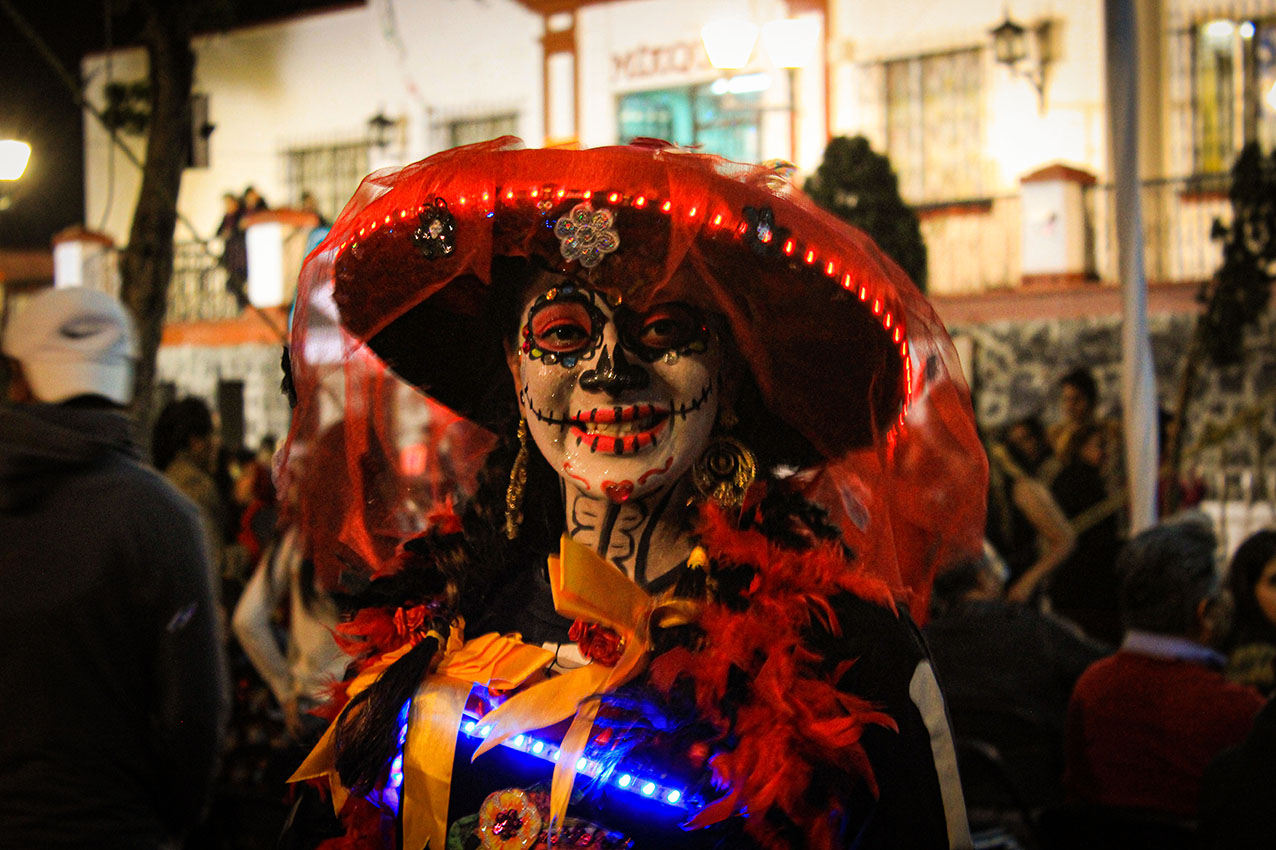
[816,310]
[424,264]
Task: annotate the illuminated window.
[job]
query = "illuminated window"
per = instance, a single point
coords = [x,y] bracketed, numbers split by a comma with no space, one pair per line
[1233,90]
[935,126]
[727,123]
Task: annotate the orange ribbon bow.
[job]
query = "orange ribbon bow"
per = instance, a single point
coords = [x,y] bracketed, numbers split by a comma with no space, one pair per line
[493,661]
[586,587]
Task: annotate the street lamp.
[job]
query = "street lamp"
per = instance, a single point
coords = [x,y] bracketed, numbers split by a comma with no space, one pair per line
[729,42]
[379,128]
[13,162]
[1010,47]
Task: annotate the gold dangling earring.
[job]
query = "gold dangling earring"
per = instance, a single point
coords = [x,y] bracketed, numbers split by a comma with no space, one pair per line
[727,467]
[518,481]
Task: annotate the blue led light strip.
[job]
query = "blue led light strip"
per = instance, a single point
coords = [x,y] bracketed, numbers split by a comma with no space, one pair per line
[653,788]
[643,786]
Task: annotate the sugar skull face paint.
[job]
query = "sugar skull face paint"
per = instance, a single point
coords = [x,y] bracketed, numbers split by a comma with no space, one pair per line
[620,403]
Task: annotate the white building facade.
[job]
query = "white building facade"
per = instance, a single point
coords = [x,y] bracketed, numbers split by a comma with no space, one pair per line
[1008,168]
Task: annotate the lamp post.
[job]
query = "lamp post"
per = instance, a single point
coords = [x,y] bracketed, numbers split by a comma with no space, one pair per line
[1010,47]
[790,43]
[379,128]
[13,162]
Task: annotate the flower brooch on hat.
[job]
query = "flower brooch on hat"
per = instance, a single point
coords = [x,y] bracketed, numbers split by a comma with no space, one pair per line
[587,235]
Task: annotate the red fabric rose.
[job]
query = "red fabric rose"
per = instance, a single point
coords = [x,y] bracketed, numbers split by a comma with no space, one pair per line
[409,623]
[597,643]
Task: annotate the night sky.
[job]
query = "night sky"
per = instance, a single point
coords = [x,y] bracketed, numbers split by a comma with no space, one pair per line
[37,108]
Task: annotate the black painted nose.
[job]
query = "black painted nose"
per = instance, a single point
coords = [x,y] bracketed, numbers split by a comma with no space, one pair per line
[614,376]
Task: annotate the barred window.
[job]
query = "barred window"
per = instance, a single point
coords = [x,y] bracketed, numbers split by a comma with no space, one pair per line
[1233,90]
[330,172]
[935,126]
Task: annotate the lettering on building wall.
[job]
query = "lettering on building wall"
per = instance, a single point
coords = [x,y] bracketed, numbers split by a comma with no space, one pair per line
[654,61]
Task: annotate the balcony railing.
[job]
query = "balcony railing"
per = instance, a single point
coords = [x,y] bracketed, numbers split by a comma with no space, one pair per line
[198,292]
[976,246]
[1178,215]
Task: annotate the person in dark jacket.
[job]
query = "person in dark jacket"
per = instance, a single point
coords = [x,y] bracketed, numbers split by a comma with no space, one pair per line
[114,683]
[1007,671]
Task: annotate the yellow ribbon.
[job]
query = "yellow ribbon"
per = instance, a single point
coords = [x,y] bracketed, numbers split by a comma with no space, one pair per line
[586,587]
[493,661]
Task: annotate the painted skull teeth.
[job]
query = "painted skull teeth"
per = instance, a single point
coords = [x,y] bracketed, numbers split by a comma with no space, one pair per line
[620,430]
[620,421]
[620,444]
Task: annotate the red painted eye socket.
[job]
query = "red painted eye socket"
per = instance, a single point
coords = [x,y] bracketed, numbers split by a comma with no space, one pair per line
[666,326]
[562,327]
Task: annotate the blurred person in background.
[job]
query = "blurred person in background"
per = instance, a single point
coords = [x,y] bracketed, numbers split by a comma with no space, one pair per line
[114,681]
[286,589]
[1007,671]
[1143,724]
[1029,444]
[1025,525]
[1238,793]
[253,201]
[234,247]
[184,446]
[255,494]
[1084,587]
[311,205]
[1251,643]
[1078,406]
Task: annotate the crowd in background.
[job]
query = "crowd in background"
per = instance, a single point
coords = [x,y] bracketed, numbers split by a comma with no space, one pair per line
[276,561]
[1107,691]
[1100,689]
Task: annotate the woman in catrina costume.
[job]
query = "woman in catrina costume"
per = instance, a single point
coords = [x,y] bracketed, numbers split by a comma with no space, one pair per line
[731,447]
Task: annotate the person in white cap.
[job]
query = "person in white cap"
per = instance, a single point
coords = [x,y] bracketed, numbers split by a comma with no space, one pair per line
[114,682]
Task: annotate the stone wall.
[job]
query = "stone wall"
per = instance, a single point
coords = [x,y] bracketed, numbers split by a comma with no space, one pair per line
[1017,365]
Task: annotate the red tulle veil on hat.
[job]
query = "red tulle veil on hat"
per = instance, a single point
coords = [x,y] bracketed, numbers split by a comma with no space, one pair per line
[409,290]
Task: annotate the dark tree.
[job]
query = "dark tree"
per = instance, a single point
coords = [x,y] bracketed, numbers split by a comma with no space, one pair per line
[1240,290]
[859,186]
[1242,286]
[146,265]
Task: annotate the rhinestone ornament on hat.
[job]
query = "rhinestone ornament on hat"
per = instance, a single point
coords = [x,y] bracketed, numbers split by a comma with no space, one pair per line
[586,234]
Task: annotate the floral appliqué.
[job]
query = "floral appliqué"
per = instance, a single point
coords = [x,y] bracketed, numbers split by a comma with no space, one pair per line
[597,643]
[411,624]
[587,235]
[508,819]
[435,235]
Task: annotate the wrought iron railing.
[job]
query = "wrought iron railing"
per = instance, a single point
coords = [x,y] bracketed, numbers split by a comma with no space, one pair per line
[198,292]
